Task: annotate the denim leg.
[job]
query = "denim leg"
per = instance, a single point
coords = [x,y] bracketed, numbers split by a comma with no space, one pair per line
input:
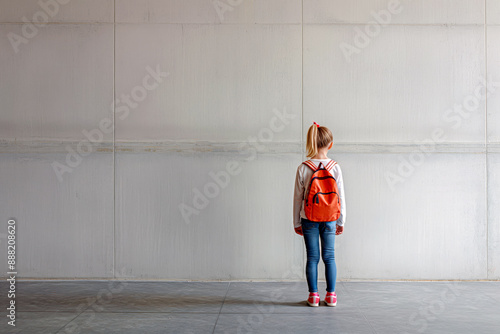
[311,239]
[327,234]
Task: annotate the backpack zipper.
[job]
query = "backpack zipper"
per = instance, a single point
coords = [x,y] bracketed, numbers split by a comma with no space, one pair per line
[316,197]
[322,178]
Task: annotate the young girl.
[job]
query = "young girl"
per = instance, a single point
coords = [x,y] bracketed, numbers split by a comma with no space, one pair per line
[319,141]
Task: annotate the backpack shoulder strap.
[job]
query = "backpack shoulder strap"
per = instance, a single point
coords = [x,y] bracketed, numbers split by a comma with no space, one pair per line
[310,164]
[330,164]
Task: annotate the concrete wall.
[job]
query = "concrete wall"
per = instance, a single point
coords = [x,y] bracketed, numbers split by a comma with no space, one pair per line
[216,99]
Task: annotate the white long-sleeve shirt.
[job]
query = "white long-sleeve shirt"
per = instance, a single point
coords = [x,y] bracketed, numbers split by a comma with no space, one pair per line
[302,180]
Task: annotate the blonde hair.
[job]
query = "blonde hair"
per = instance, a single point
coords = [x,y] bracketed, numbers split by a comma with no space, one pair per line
[317,137]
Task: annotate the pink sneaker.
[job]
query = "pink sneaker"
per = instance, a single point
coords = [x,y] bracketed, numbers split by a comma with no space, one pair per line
[313,299]
[331,299]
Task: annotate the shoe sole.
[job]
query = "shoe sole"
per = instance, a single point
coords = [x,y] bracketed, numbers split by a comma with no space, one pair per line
[331,304]
[313,305]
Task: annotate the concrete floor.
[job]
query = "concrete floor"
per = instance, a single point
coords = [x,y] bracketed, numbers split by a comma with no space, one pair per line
[251,307]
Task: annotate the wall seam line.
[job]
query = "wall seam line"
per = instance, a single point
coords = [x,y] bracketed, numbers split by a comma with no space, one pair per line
[114,143]
[486,138]
[302,78]
[302,111]
[260,24]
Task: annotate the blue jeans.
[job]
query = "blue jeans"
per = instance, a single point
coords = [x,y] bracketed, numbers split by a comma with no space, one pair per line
[313,232]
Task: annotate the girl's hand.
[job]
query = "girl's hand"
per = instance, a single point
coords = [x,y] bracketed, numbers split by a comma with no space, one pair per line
[298,230]
[340,229]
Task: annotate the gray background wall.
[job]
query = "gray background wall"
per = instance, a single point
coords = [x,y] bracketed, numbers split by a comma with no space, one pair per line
[420,206]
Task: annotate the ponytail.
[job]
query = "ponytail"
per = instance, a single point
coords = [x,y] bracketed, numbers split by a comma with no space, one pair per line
[311,143]
[317,137]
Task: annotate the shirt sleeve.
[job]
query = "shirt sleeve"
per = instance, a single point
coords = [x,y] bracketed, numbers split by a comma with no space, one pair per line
[298,196]
[340,185]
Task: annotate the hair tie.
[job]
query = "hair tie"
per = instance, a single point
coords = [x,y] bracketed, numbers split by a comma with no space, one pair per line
[316,124]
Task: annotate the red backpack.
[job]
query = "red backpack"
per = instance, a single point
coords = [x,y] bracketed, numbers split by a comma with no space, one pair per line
[322,202]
